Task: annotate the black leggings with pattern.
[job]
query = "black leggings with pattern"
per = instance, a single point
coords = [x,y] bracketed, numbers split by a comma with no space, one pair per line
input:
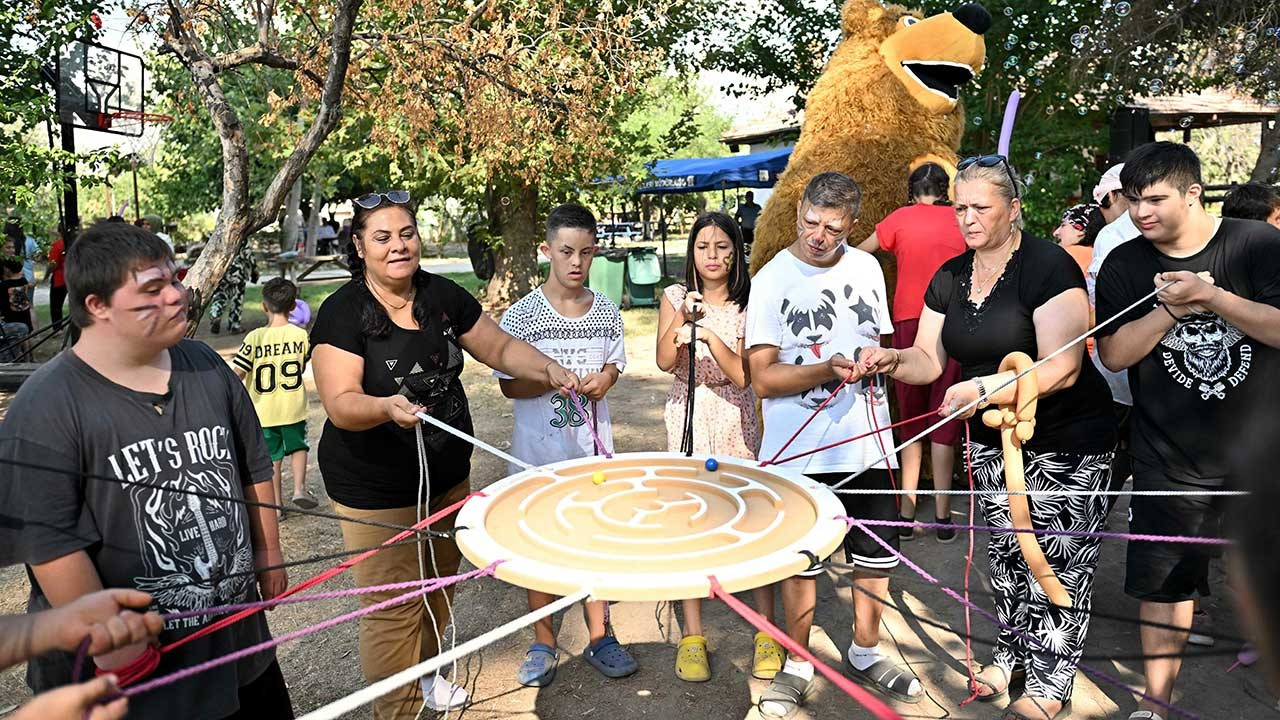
[1020,601]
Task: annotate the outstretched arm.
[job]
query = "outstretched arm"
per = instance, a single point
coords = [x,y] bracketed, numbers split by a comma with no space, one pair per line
[493,346]
[106,617]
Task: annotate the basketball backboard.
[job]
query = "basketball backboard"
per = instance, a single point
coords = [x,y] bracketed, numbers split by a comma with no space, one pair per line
[95,83]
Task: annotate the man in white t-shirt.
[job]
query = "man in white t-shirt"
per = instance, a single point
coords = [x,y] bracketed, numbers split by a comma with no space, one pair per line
[582,330]
[813,308]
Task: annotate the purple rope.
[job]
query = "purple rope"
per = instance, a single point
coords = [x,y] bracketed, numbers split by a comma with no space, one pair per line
[291,599]
[1036,531]
[861,524]
[577,403]
[268,644]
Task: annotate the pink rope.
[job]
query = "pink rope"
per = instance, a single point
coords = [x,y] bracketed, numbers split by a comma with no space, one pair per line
[577,403]
[325,575]
[292,599]
[862,525]
[968,566]
[303,632]
[1036,531]
[864,698]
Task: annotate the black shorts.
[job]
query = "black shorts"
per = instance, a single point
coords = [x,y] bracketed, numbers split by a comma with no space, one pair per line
[1168,572]
[859,548]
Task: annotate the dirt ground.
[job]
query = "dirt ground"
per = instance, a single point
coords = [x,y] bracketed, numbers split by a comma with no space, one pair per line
[325,666]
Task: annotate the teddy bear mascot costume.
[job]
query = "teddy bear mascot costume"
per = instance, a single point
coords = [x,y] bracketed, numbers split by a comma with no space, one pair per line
[887,102]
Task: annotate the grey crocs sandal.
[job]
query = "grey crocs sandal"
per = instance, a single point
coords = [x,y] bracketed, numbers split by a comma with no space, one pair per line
[785,692]
[887,678]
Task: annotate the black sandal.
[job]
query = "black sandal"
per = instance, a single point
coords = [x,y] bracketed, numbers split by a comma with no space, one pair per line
[906,532]
[887,678]
[787,691]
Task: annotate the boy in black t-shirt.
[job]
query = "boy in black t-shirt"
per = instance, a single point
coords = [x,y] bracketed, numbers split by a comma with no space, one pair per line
[135,401]
[1195,355]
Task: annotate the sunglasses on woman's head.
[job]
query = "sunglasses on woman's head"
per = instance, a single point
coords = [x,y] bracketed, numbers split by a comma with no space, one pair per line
[377,199]
[987,161]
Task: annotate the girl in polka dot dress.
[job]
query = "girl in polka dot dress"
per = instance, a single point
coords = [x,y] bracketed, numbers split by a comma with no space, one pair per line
[725,423]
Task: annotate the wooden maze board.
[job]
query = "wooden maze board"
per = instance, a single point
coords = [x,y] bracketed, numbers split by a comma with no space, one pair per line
[656,527]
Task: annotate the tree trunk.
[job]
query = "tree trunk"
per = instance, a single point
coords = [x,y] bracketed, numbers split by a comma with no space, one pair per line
[292,214]
[238,216]
[513,209]
[313,222]
[1268,166]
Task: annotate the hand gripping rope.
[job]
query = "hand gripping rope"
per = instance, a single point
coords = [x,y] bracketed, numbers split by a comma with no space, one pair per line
[1018,376]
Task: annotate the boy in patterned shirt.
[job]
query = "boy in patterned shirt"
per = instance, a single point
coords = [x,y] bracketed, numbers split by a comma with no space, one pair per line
[270,362]
[582,330]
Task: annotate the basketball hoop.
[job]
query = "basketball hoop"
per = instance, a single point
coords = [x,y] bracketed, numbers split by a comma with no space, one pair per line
[145,128]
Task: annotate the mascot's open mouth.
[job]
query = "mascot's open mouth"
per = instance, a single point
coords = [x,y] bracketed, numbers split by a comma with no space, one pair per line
[940,77]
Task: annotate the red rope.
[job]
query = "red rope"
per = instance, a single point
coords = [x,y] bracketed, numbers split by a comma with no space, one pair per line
[864,698]
[838,443]
[875,428]
[792,439]
[141,667]
[327,574]
[968,564]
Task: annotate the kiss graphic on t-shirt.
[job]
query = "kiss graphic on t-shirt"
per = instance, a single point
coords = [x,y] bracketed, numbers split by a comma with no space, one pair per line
[1204,354]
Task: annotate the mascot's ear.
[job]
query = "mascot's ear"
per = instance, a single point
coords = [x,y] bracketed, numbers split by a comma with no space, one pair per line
[866,19]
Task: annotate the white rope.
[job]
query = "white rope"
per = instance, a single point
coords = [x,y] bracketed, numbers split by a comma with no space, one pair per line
[367,695]
[974,403]
[424,496]
[475,441]
[1146,493]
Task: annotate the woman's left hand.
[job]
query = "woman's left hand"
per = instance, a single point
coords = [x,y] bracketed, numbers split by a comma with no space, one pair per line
[959,395]
[559,377]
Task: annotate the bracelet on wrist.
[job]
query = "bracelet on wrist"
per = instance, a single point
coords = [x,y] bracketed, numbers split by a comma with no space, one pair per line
[1166,309]
[982,392]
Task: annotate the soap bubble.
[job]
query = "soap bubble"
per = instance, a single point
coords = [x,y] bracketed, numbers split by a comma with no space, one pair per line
[1156,86]
[1082,111]
[977,120]
[1008,11]
[1077,40]
[1084,29]
[1185,121]
[1123,9]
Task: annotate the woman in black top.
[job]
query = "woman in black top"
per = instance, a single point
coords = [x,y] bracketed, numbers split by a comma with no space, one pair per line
[386,345]
[1015,292]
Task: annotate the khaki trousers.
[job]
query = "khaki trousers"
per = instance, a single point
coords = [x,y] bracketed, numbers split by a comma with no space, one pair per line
[402,635]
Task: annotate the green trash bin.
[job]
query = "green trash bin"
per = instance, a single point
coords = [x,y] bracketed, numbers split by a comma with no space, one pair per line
[644,272]
[607,271]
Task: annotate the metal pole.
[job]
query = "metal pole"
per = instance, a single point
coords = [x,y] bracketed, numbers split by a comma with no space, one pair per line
[662,225]
[70,200]
[137,209]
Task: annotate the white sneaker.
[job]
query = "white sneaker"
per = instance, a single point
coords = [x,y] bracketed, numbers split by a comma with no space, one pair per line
[441,695]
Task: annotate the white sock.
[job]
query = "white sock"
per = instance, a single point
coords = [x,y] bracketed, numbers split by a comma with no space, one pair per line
[864,657]
[440,694]
[799,668]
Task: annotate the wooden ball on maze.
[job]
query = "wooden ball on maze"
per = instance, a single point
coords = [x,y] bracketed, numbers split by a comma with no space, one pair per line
[656,531]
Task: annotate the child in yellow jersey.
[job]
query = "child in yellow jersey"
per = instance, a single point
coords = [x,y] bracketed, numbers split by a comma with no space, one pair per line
[271,362]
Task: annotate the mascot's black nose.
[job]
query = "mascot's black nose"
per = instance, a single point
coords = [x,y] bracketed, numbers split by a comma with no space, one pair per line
[973,16]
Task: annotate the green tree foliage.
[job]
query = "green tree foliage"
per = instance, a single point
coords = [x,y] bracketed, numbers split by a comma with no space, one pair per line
[33,33]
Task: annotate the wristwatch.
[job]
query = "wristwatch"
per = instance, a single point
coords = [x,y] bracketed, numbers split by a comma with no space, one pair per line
[982,392]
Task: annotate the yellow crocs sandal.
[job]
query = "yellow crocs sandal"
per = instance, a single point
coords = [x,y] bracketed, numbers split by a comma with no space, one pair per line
[768,658]
[691,659]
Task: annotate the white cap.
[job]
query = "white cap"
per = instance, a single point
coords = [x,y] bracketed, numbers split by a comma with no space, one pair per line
[1110,181]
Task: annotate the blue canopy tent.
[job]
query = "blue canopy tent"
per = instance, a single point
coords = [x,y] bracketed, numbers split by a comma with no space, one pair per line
[757,170]
[686,175]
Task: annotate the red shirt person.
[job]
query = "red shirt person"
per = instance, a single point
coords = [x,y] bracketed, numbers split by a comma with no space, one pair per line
[922,236]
